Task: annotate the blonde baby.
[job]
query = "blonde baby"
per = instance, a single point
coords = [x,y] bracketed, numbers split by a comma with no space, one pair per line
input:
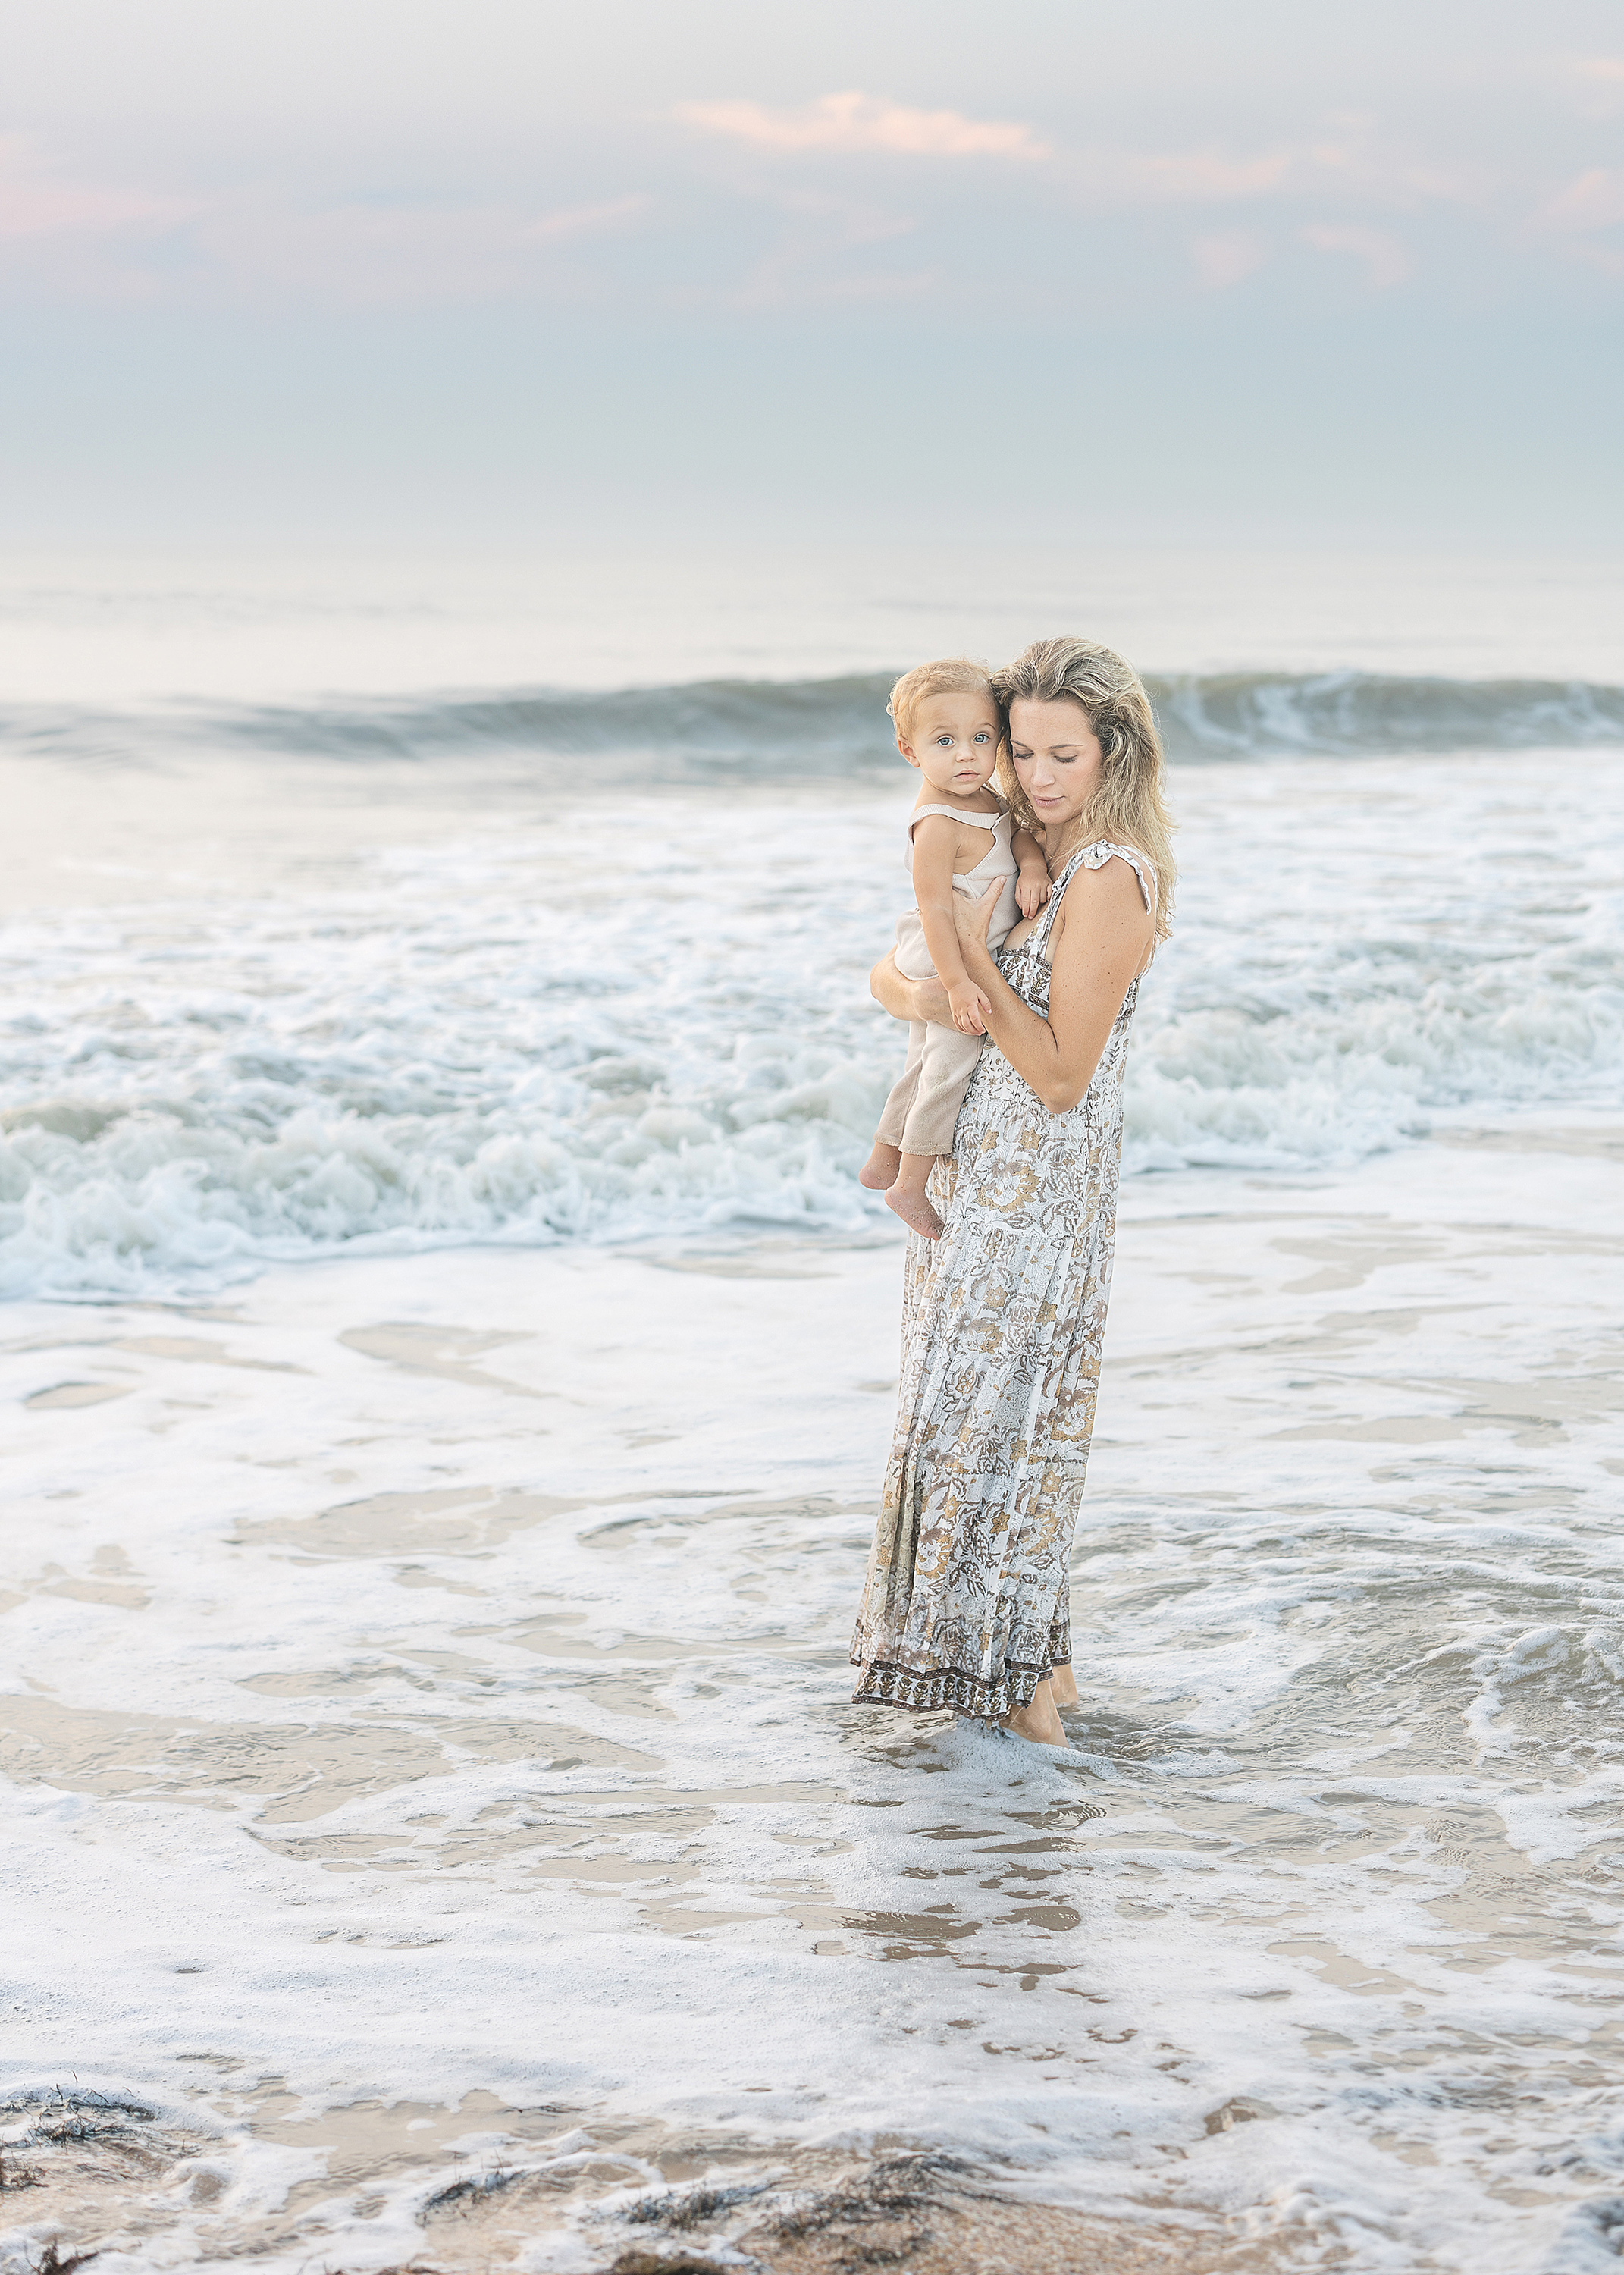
[960,840]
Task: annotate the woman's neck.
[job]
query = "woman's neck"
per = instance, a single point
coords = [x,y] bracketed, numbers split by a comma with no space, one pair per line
[1071,840]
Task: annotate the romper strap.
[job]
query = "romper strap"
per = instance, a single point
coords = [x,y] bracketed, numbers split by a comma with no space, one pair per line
[976,821]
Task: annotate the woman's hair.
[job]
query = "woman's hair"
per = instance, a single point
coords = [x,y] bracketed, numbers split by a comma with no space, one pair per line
[1131,805]
[951,675]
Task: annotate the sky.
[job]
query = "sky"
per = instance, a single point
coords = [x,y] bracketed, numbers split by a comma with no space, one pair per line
[422,270]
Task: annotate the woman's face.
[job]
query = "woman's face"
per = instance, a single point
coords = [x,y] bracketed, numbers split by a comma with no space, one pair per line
[1055,753]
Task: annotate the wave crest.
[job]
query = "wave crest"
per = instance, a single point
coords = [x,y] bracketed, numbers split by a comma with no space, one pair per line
[824,728]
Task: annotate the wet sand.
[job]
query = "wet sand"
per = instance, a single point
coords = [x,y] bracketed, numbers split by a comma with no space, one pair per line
[86,2170]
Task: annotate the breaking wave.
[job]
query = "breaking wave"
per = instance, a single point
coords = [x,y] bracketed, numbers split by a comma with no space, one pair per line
[772,729]
[484,1035]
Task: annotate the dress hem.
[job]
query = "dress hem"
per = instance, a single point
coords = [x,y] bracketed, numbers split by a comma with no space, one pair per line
[942,1687]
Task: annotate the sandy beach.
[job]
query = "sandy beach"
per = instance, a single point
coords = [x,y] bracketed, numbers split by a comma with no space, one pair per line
[433,1757]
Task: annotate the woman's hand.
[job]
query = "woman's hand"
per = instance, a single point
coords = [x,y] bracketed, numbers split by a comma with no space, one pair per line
[909,999]
[974,918]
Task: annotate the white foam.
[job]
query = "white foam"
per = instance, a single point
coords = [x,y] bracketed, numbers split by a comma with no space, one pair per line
[573,1022]
[540,1779]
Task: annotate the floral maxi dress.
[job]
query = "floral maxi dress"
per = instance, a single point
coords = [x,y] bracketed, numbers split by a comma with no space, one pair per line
[966,1601]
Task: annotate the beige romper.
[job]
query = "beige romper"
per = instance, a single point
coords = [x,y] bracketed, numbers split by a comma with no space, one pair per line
[923,1108]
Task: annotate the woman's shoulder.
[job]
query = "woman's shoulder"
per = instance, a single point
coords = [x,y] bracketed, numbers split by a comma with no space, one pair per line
[1106,849]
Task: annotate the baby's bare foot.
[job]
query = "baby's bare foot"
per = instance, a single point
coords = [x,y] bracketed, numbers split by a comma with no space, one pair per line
[915,1210]
[879,1170]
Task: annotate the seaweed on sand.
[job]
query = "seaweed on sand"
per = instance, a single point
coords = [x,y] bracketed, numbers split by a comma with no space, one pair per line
[50,2263]
[687,2207]
[891,2189]
[666,2262]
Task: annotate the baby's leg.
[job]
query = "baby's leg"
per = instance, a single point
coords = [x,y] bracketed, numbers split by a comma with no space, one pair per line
[880,1168]
[909,1197]
[947,1060]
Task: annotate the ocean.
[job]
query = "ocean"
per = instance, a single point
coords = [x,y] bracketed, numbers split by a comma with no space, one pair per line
[449,1359]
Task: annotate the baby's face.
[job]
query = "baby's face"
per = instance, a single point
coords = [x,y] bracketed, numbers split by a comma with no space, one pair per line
[954,742]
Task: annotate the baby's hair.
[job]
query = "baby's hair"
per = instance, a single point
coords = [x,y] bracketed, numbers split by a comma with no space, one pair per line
[950,674]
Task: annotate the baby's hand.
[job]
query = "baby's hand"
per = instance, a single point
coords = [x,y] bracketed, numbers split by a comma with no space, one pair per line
[970,1008]
[1032,889]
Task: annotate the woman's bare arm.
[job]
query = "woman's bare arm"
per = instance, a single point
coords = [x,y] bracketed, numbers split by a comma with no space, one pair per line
[909,999]
[1103,935]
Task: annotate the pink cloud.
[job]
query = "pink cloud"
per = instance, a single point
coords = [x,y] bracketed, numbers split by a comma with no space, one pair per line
[857,122]
[1199,178]
[1227,256]
[581,220]
[86,235]
[1594,199]
[36,203]
[1601,85]
[1385,260]
[381,253]
[809,261]
[1591,203]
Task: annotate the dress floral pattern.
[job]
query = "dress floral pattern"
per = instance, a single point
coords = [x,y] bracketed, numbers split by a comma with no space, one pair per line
[966,1601]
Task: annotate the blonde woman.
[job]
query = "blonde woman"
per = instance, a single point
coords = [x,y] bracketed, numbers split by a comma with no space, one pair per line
[966,1600]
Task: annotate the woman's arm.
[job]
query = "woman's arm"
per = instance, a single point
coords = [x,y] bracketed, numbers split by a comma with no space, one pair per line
[909,999]
[1103,934]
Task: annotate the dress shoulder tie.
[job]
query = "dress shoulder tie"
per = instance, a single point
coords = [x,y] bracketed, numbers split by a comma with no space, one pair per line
[1095,856]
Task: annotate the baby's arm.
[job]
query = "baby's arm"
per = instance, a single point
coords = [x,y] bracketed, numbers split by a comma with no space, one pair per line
[935,846]
[1032,886]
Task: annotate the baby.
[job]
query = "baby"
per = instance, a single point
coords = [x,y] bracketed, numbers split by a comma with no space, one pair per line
[960,840]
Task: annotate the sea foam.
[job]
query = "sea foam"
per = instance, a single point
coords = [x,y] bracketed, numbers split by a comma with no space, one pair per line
[582,1019]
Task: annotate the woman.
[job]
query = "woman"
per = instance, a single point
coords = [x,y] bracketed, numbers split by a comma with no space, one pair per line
[966,1601]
